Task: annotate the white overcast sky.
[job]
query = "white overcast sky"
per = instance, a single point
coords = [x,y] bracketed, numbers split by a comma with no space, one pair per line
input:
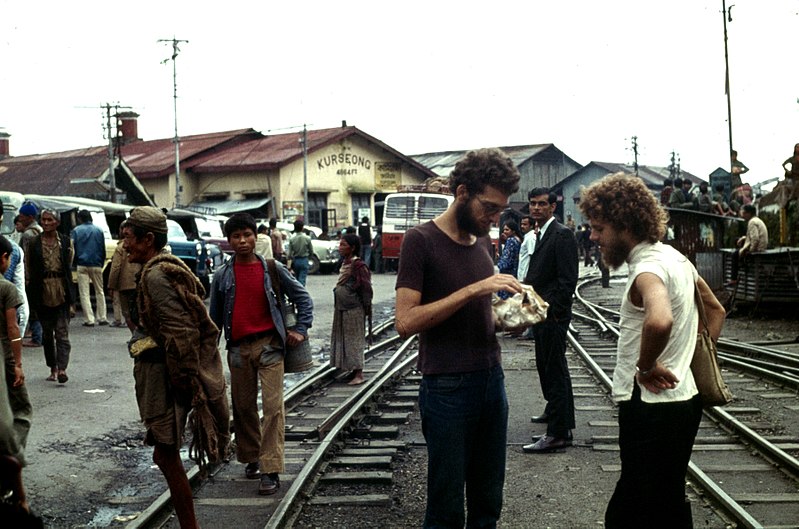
[422,76]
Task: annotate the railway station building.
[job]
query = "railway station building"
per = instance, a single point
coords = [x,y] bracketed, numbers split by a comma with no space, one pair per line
[346,171]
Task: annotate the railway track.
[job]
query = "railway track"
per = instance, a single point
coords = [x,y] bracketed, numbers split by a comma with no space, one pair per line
[337,437]
[744,459]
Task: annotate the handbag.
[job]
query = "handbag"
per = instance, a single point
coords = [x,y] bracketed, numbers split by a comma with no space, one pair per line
[705,364]
[298,358]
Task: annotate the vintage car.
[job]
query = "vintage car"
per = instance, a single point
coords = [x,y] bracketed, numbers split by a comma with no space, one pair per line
[325,256]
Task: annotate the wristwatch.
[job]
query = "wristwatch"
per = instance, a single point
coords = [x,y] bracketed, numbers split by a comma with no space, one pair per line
[644,372]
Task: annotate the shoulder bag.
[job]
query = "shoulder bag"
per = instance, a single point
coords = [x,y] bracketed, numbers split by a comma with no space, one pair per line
[298,358]
[705,364]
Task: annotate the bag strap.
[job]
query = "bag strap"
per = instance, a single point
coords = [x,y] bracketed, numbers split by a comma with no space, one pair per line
[275,277]
[700,305]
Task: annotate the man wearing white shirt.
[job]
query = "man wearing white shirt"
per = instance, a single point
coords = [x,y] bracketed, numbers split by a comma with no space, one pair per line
[659,408]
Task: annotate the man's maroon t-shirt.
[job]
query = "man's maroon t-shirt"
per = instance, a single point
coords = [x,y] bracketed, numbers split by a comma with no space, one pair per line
[437,266]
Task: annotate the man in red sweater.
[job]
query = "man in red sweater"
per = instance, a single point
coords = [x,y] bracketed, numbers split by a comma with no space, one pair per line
[244,304]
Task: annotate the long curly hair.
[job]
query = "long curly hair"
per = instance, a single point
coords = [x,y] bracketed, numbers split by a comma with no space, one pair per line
[485,167]
[623,201]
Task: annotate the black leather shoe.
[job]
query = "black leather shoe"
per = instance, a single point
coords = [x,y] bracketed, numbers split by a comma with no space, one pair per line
[568,437]
[269,484]
[251,471]
[540,419]
[546,445]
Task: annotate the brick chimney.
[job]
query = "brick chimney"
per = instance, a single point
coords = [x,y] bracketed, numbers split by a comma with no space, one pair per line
[4,144]
[128,127]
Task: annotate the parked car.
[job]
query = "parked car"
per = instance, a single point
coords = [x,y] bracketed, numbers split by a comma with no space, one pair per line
[325,254]
[202,226]
[195,253]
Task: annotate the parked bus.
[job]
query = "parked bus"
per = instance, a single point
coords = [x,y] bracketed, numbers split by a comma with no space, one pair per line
[404,210]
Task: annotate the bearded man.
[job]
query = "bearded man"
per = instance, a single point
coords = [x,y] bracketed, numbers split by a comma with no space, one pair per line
[659,406]
[444,287]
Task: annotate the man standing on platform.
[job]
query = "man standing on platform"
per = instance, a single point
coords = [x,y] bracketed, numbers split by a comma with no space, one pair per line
[177,368]
[89,245]
[29,229]
[244,305]
[300,251]
[553,274]
[659,407]
[755,240]
[462,398]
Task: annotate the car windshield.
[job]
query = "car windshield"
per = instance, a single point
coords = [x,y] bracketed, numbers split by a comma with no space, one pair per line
[175,231]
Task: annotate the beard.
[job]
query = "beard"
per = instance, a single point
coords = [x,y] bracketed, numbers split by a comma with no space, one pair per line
[467,222]
[615,254]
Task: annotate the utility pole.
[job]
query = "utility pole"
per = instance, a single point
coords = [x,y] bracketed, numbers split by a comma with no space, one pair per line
[674,167]
[112,130]
[726,15]
[175,51]
[304,142]
[635,154]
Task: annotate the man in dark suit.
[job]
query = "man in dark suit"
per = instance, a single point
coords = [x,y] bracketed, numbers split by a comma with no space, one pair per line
[552,273]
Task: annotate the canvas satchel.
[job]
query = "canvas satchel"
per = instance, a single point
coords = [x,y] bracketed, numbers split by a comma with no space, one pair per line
[705,364]
[297,358]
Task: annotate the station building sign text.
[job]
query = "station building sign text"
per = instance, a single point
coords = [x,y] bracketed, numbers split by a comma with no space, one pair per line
[344,163]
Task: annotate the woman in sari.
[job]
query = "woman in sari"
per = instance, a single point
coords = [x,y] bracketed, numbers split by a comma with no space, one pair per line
[509,260]
[353,302]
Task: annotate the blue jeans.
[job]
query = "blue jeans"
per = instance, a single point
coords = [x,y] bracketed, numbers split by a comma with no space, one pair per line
[465,424]
[366,255]
[36,330]
[299,265]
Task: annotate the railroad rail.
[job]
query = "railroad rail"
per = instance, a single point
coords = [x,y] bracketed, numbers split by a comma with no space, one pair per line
[323,414]
[740,461]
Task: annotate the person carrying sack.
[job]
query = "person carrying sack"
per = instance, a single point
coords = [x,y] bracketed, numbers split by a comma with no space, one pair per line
[244,303]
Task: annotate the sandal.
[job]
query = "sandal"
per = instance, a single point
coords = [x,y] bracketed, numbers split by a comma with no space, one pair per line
[52,377]
[62,377]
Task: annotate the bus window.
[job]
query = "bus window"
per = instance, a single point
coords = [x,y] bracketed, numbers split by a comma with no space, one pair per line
[399,207]
[431,207]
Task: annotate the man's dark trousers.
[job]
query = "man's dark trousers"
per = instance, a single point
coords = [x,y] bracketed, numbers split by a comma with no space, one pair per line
[553,372]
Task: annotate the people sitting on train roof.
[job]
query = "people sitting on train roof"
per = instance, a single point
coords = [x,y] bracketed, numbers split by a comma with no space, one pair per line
[720,204]
[665,193]
[705,202]
[793,172]
[755,240]
[680,196]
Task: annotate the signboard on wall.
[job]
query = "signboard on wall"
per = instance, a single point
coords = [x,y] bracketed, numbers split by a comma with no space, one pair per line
[388,175]
[292,209]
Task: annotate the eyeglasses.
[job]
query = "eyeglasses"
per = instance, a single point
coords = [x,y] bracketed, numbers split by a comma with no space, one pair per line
[539,203]
[490,208]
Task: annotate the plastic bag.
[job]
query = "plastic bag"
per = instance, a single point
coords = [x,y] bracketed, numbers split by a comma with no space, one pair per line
[520,310]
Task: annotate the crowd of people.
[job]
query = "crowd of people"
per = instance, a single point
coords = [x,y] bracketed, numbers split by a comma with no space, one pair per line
[175,341]
[462,399]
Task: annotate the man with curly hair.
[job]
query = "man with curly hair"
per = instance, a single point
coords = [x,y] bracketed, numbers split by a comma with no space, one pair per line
[659,406]
[462,397]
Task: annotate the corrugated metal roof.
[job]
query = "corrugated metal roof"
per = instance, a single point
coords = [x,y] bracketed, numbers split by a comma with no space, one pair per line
[228,207]
[442,163]
[652,175]
[53,174]
[154,158]
[269,152]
